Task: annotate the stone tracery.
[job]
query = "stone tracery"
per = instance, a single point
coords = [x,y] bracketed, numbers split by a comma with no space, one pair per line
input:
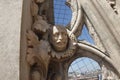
[40,53]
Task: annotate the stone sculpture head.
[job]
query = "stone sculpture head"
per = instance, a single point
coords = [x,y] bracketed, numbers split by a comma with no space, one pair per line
[58,38]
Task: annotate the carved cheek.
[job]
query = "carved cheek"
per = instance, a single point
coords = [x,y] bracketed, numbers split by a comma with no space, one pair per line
[65,38]
[64,35]
[54,39]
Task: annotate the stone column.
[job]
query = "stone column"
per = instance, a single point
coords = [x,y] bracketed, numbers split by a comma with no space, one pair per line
[10,27]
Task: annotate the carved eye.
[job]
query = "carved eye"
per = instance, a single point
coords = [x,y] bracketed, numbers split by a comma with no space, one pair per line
[64,34]
[56,35]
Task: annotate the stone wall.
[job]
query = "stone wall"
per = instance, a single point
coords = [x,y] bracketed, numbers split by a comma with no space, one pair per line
[10,27]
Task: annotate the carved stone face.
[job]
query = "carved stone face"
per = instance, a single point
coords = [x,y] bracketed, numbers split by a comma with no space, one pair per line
[59,38]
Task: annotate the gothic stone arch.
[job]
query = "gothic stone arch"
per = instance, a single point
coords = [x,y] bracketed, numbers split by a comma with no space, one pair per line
[86,50]
[103,18]
[39,55]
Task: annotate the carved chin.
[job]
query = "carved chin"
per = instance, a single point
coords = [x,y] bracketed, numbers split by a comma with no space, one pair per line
[60,47]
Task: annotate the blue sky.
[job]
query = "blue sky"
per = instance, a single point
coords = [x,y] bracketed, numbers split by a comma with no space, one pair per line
[62,16]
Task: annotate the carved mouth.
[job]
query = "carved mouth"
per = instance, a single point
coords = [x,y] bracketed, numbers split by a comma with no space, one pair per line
[61,43]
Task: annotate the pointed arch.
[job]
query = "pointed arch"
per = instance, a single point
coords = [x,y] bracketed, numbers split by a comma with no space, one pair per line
[105,22]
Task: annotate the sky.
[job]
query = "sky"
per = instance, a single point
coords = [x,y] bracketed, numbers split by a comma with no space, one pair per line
[62,16]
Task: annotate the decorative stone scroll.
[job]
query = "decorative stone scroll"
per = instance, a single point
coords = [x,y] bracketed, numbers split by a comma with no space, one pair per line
[112,3]
[108,74]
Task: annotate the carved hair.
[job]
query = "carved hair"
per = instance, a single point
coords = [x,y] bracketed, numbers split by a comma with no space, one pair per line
[58,27]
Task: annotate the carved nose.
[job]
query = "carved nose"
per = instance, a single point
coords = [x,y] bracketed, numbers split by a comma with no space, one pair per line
[60,37]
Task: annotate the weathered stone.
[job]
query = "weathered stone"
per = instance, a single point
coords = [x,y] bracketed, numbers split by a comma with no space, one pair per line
[10,21]
[32,48]
[61,52]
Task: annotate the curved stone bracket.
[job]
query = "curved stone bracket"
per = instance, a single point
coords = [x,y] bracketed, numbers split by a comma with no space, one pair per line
[77,20]
[86,50]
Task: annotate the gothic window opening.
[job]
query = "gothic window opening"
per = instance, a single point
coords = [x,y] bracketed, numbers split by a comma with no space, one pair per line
[84,69]
[85,36]
[62,13]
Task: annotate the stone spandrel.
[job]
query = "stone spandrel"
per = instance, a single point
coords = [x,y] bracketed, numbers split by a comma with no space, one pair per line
[10,24]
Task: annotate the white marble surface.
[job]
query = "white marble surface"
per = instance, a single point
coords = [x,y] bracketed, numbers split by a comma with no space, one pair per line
[10,26]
